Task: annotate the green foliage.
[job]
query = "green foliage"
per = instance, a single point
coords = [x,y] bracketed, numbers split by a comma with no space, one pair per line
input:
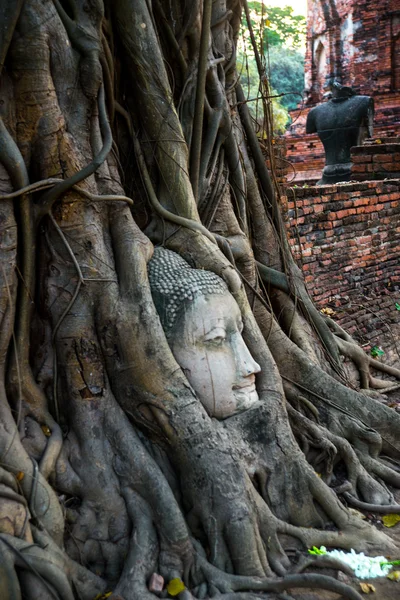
[317,551]
[286,75]
[282,34]
[281,27]
[250,81]
[376,351]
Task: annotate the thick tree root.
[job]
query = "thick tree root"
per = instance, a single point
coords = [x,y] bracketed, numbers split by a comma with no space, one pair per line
[349,348]
[232,583]
[41,564]
[360,469]
[388,509]
[323,562]
[358,534]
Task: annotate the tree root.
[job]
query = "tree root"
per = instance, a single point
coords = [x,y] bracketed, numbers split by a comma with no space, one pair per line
[389,509]
[86,583]
[41,564]
[197,128]
[349,348]
[20,374]
[49,565]
[143,552]
[311,434]
[356,534]
[51,182]
[323,562]
[227,584]
[295,286]
[43,503]
[359,467]
[156,204]
[50,197]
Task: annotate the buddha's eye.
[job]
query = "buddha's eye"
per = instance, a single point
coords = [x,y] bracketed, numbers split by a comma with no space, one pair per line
[216,337]
[216,341]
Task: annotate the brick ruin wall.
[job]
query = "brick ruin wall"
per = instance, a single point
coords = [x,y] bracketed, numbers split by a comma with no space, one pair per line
[306,157]
[358,43]
[346,238]
[376,161]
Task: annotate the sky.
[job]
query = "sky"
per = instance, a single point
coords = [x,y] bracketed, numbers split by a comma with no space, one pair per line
[299,6]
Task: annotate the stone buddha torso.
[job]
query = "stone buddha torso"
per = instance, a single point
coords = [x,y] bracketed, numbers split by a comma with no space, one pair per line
[342,122]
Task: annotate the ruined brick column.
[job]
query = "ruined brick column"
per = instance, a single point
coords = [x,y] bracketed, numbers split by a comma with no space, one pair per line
[356,42]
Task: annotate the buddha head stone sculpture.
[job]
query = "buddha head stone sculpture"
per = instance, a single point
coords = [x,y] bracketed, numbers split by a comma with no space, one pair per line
[203,325]
[342,122]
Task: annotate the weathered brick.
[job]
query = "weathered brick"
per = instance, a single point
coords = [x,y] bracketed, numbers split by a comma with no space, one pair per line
[362,158]
[356,253]
[382,158]
[359,168]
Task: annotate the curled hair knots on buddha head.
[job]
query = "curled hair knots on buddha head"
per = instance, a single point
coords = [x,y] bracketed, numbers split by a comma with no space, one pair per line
[174,283]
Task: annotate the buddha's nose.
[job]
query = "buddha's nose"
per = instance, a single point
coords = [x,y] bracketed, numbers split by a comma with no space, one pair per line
[246,364]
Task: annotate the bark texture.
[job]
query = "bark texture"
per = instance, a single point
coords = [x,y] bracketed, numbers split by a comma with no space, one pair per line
[122,125]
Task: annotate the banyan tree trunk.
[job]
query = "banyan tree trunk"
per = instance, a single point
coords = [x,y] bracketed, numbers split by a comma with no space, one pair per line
[123,125]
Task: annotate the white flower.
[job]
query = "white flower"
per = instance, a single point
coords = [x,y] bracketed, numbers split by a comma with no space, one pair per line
[364,567]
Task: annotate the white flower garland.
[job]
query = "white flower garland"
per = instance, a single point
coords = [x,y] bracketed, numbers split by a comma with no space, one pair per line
[364,567]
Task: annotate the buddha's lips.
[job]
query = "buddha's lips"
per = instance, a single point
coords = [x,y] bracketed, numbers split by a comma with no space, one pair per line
[247,386]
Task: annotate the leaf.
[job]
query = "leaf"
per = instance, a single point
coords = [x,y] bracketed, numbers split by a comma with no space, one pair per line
[394,576]
[328,311]
[46,430]
[377,351]
[367,588]
[390,520]
[20,475]
[397,305]
[175,586]
[317,551]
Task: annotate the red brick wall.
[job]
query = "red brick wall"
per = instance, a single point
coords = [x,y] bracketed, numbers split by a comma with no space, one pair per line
[376,161]
[349,251]
[361,45]
[305,152]
[359,40]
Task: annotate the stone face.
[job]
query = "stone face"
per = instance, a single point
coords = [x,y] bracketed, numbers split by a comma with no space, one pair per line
[356,42]
[204,334]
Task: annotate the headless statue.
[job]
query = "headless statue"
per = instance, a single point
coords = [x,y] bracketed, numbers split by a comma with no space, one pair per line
[203,326]
[342,122]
